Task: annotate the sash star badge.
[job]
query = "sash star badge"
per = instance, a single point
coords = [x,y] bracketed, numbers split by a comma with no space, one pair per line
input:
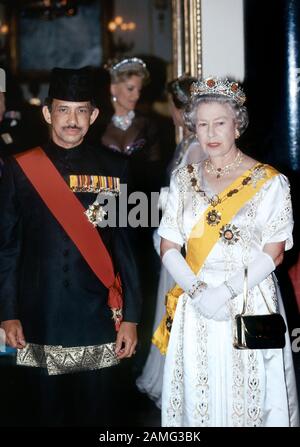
[230,234]
[95,213]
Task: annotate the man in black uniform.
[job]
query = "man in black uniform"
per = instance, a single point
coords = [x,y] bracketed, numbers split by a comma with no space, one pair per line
[57,306]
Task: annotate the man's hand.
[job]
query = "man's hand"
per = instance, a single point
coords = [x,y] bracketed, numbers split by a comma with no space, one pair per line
[14,333]
[126,340]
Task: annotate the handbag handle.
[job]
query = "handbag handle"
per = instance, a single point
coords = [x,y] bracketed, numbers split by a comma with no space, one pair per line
[245,293]
[245,290]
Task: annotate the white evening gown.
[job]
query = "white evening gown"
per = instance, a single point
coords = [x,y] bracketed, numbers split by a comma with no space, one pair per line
[207,382]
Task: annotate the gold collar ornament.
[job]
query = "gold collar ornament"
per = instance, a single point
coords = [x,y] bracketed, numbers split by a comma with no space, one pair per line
[213,217]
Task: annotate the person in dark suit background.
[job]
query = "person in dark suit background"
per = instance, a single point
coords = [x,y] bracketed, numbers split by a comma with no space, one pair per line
[17,120]
[53,307]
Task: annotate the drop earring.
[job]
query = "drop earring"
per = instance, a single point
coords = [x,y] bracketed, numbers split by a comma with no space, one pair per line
[237,134]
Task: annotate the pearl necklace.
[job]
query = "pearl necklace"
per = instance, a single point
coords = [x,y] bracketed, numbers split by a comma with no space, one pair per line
[219,172]
[123,122]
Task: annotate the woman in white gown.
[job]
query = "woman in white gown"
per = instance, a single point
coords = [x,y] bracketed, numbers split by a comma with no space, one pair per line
[187,151]
[228,211]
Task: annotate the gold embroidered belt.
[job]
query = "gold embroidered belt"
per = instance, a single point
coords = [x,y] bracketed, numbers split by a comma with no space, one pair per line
[58,360]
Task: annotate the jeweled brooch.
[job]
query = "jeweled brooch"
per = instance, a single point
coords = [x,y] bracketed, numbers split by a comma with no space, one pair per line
[230,234]
[95,213]
[213,217]
[169,323]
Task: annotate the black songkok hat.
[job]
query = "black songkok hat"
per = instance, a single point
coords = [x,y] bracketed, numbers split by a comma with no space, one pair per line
[71,84]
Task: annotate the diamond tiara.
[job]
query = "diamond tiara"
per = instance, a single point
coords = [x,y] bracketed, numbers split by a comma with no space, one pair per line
[217,86]
[130,62]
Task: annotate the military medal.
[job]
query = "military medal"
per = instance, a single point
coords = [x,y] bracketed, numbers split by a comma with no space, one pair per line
[94,183]
[95,213]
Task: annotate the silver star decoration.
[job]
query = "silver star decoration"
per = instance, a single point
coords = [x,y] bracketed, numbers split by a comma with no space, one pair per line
[95,213]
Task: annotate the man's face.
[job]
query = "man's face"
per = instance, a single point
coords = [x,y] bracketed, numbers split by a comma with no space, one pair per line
[69,121]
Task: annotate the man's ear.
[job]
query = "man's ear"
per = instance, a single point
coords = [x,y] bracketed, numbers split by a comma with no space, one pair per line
[47,114]
[94,115]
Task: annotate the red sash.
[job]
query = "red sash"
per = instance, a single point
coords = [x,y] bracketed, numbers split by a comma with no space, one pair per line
[69,212]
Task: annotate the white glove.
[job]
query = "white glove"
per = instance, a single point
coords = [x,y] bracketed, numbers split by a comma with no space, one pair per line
[258,270]
[210,302]
[179,269]
[223,314]
[186,278]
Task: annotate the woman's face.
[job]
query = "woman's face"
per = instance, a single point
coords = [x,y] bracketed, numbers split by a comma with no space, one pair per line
[215,128]
[127,93]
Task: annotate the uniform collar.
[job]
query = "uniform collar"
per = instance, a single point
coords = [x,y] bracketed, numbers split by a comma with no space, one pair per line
[61,152]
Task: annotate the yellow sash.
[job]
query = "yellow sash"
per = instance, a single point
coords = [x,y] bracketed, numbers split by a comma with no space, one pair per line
[204,236]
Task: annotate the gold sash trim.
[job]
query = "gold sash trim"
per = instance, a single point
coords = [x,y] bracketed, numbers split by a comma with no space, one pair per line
[204,236]
[58,360]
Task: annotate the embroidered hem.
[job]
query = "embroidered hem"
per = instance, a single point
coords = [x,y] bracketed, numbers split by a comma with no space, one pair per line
[59,360]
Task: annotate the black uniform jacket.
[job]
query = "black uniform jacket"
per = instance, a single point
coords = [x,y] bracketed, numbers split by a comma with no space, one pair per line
[44,280]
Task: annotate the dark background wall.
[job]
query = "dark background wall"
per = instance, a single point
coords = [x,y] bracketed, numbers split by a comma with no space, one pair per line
[272,63]
[272,52]
[64,42]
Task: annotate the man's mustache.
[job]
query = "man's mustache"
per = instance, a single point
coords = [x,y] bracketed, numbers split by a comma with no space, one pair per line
[72,127]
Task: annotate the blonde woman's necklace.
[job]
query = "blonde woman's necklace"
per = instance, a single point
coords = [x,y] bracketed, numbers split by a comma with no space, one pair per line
[219,172]
[123,122]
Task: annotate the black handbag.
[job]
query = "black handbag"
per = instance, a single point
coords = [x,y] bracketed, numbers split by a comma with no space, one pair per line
[258,331]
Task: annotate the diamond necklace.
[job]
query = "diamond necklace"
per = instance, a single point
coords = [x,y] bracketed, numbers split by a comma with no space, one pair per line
[123,122]
[219,172]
